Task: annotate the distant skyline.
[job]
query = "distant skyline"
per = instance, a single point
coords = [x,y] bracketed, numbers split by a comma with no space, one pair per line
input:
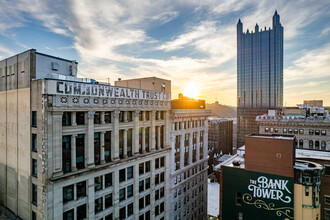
[188,42]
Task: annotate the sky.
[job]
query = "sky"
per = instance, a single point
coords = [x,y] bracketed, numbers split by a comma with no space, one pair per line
[190,42]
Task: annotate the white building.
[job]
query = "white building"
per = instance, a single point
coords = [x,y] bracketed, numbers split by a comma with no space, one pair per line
[189,163]
[74,149]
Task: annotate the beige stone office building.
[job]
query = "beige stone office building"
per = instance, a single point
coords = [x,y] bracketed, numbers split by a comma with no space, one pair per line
[71,148]
[189,163]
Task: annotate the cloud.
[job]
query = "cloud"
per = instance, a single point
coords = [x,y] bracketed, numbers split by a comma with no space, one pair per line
[304,85]
[312,64]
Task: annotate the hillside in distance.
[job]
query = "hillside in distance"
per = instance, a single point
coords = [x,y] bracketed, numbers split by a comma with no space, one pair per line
[221,111]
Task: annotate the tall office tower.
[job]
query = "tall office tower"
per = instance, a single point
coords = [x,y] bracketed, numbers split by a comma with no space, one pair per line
[259,75]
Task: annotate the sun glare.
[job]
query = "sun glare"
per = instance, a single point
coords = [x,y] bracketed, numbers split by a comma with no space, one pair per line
[191,90]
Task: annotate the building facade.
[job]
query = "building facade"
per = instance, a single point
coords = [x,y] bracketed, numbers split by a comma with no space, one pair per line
[259,74]
[281,188]
[189,163]
[75,149]
[220,138]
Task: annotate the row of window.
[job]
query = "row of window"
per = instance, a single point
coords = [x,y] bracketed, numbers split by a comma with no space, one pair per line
[188,125]
[296,131]
[191,183]
[189,172]
[194,215]
[316,145]
[124,116]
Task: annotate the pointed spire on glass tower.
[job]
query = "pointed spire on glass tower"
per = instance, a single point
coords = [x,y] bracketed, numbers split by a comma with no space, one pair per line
[276,19]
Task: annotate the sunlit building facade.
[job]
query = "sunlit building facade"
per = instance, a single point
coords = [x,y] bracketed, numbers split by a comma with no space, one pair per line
[259,74]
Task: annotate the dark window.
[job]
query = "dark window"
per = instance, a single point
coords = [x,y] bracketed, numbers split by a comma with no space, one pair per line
[323,145]
[121,116]
[317,145]
[121,143]
[129,173]
[147,139]
[140,140]
[122,175]
[68,215]
[323,132]
[147,200]
[80,151]
[130,209]
[97,118]
[301,143]
[327,170]
[66,153]
[107,146]
[129,191]
[66,119]
[108,180]
[107,117]
[141,168]
[108,200]
[81,189]
[311,144]
[81,212]
[122,213]
[34,142]
[122,194]
[98,183]
[34,216]
[147,116]
[98,205]
[129,116]
[141,203]
[34,194]
[162,161]
[295,131]
[317,132]
[301,131]
[97,148]
[157,163]
[285,130]
[109,217]
[238,198]
[68,193]
[80,118]
[162,177]
[141,185]
[147,166]
[311,131]
[129,142]
[147,183]
[177,152]
[140,116]
[290,130]
[34,119]
[34,168]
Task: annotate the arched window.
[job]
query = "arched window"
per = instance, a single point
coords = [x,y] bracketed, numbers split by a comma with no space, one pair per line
[311,144]
[323,145]
[296,143]
[301,143]
[317,145]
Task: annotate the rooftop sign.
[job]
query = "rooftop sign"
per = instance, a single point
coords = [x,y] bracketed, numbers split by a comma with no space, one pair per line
[58,87]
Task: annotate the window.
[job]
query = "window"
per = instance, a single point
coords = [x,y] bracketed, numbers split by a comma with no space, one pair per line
[98,205]
[80,118]
[129,116]
[290,130]
[295,131]
[129,191]
[108,180]
[140,116]
[130,210]
[121,116]
[323,132]
[327,214]
[81,212]
[107,117]
[311,131]
[66,119]
[98,183]
[66,153]
[141,186]
[122,213]
[147,166]
[121,143]
[147,116]
[147,139]
[301,143]
[108,200]
[129,173]
[147,183]
[238,198]
[107,146]
[327,199]
[141,168]
[80,151]
[301,131]
[317,132]
[34,194]
[81,189]
[122,194]
[34,142]
[266,129]
[97,148]
[327,170]
[317,145]
[68,215]
[109,217]
[34,168]
[122,175]
[97,118]
[68,193]
[276,130]
[129,142]
[285,130]
[34,216]
[34,119]
[311,144]
[240,216]
[323,145]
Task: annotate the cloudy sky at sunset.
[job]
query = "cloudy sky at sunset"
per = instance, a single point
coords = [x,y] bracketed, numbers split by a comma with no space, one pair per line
[181,40]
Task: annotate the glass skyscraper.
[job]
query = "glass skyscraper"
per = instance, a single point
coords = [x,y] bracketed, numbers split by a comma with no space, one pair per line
[259,74]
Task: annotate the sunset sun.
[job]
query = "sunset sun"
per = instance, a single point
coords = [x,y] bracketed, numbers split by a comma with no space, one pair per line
[191,90]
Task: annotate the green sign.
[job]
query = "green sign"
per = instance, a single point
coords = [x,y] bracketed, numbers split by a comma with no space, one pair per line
[256,195]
